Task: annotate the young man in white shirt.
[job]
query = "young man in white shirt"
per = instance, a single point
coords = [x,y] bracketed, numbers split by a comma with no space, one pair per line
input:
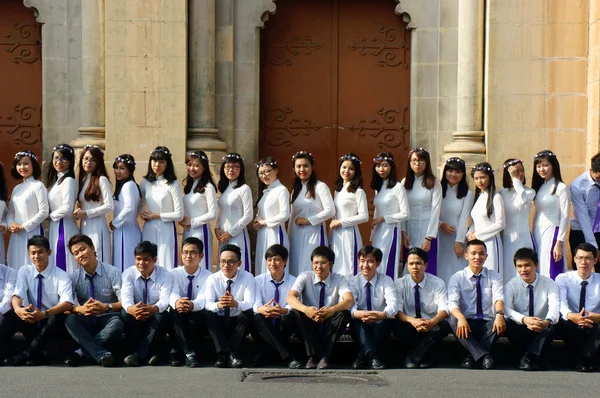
[229,296]
[273,320]
[187,302]
[374,309]
[323,312]
[532,308]
[145,297]
[423,309]
[476,302]
[580,307]
[42,296]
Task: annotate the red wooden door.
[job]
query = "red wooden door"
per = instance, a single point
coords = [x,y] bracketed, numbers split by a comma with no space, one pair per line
[20,82]
[335,78]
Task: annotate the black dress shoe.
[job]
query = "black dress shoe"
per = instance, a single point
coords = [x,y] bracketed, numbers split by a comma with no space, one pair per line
[294,364]
[468,363]
[154,360]
[73,360]
[311,363]
[18,360]
[583,366]
[221,361]
[410,364]
[323,364]
[191,361]
[488,363]
[133,360]
[174,359]
[376,364]
[525,363]
[234,361]
[107,360]
[359,362]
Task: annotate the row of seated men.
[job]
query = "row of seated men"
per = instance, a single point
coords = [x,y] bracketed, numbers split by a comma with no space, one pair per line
[96,305]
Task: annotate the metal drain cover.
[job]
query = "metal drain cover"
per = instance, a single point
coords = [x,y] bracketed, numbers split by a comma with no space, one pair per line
[345,378]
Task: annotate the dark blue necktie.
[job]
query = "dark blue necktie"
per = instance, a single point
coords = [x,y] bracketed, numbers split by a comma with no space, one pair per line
[368,296]
[418,301]
[190,287]
[531,307]
[321,305]
[227,310]
[582,295]
[39,295]
[146,280]
[479,297]
[90,278]
[276,298]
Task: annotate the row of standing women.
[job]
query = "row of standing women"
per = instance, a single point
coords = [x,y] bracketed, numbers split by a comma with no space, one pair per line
[438,216]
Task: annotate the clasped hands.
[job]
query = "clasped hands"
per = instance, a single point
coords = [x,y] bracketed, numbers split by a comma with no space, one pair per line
[92,307]
[184,305]
[227,300]
[272,309]
[30,314]
[319,314]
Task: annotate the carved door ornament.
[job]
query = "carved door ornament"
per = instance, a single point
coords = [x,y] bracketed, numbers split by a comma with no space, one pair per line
[286,126]
[391,133]
[21,44]
[21,124]
[289,45]
[393,52]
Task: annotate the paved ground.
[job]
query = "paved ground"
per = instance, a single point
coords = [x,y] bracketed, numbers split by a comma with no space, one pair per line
[209,382]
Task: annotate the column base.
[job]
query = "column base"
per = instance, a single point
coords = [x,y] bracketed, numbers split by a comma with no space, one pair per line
[207,140]
[90,135]
[467,145]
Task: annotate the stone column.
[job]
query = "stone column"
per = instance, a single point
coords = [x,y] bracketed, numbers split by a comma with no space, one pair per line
[202,131]
[93,107]
[468,140]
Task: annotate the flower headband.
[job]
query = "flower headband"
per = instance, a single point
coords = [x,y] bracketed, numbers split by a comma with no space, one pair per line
[233,156]
[121,160]
[481,167]
[63,147]
[301,153]
[350,157]
[90,146]
[417,149]
[27,153]
[544,154]
[512,163]
[383,159]
[197,155]
[162,150]
[458,160]
[272,164]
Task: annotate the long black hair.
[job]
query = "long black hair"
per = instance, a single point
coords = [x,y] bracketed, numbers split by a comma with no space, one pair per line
[486,168]
[376,180]
[204,179]
[64,151]
[92,192]
[536,180]
[231,158]
[37,170]
[506,178]
[357,180]
[312,180]
[161,153]
[429,178]
[129,163]
[456,164]
[266,161]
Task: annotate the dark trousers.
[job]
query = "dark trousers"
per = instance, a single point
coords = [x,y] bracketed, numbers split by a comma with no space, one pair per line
[584,342]
[526,340]
[420,344]
[576,237]
[93,334]
[275,337]
[144,337]
[189,328]
[481,337]
[228,335]
[320,337]
[37,334]
[371,336]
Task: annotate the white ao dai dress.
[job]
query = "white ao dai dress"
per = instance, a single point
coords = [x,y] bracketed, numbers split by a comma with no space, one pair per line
[126,234]
[487,229]
[63,226]
[201,209]
[94,223]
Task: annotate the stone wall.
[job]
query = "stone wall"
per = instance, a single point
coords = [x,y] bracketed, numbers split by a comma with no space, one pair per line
[593,86]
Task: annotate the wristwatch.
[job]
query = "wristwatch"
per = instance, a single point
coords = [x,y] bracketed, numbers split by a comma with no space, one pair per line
[500,313]
[550,323]
[110,307]
[47,314]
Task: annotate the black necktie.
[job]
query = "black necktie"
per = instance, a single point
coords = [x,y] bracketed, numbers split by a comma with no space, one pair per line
[276,298]
[417,302]
[227,310]
[190,286]
[582,295]
[146,280]
[368,294]
[479,297]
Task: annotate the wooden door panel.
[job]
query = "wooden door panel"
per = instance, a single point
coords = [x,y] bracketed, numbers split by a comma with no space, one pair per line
[20,83]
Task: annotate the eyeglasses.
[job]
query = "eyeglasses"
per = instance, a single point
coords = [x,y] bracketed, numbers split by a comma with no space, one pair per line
[418,161]
[191,253]
[587,259]
[229,262]
[232,167]
[265,173]
[60,160]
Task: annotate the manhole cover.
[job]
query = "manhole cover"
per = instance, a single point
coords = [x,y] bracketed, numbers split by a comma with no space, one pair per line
[346,378]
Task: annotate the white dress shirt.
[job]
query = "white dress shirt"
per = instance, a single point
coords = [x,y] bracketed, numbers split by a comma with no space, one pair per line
[569,289]
[432,293]
[8,281]
[159,288]
[265,290]
[242,289]
[383,294]
[181,283]
[585,194]
[462,292]
[307,285]
[56,286]
[546,302]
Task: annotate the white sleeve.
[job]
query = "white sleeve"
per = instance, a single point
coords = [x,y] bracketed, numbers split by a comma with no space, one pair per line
[69,195]
[41,195]
[436,207]
[563,194]
[107,200]
[324,195]
[400,194]
[129,196]
[465,215]
[211,202]
[362,210]
[246,197]
[177,213]
[499,221]
[283,199]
